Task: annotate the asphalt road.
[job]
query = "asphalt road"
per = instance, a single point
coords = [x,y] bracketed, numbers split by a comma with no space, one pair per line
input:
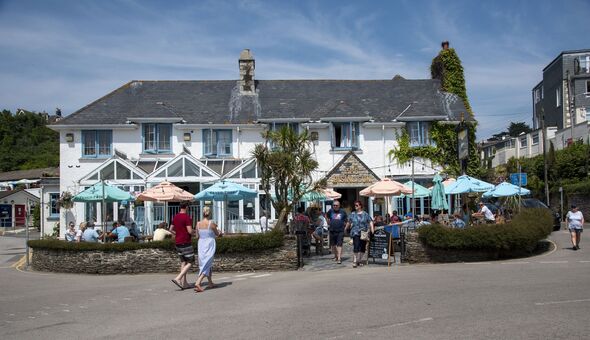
[546,296]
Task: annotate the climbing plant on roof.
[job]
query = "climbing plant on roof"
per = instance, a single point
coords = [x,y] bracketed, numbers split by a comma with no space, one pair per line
[446,67]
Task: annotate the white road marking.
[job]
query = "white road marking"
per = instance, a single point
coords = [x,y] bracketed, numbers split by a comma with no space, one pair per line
[515,262]
[242,275]
[584,261]
[388,326]
[127,299]
[476,263]
[66,310]
[560,302]
[223,278]
[240,279]
[263,275]
[546,262]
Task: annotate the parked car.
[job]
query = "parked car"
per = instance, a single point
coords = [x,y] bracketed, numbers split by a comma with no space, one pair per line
[535,203]
[531,203]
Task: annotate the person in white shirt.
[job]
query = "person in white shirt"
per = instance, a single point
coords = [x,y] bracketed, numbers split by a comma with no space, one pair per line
[575,223]
[486,213]
[263,222]
[161,233]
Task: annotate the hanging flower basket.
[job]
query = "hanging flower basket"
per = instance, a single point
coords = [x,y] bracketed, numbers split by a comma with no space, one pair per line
[66,200]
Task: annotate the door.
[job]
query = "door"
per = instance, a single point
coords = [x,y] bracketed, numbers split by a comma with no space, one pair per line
[5,215]
[20,215]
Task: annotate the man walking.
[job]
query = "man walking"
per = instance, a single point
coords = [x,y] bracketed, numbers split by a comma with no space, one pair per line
[182,228]
[337,219]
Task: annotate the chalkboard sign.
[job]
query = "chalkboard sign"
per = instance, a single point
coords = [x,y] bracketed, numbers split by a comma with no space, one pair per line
[379,245]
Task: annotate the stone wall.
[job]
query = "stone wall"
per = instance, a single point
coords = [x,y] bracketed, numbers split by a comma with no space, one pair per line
[416,252]
[159,260]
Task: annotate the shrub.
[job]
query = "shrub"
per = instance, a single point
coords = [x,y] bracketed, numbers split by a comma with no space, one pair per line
[523,233]
[231,244]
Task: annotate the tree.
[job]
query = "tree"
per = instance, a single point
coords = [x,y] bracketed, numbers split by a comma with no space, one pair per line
[286,163]
[26,142]
[515,129]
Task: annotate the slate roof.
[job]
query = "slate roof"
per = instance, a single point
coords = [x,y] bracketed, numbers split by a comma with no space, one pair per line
[219,102]
[29,174]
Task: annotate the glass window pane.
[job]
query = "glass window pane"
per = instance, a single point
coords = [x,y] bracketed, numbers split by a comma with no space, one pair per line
[123,172]
[164,135]
[149,137]
[224,142]
[94,176]
[104,142]
[89,143]
[207,142]
[175,170]
[191,169]
[108,172]
[161,174]
[249,171]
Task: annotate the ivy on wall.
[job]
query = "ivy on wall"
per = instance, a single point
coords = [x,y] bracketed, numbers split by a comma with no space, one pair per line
[447,67]
[442,152]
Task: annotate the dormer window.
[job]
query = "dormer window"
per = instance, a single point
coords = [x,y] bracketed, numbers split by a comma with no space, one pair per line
[157,138]
[97,143]
[217,143]
[419,133]
[345,136]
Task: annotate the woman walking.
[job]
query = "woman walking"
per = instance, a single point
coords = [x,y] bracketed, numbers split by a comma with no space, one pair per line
[575,221]
[359,223]
[207,230]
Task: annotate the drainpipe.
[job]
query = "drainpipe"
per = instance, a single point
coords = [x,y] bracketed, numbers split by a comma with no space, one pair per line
[238,141]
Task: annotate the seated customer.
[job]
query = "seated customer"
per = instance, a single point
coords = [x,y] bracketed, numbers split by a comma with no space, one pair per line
[120,232]
[162,232]
[458,222]
[90,235]
[486,213]
[71,232]
[133,231]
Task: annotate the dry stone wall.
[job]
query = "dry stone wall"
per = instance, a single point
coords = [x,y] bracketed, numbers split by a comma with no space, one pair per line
[159,261]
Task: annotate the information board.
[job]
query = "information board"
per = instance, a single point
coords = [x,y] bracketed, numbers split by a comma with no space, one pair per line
[379,245]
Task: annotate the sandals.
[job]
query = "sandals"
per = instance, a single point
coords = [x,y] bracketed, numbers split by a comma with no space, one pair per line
[177,284]
[211,286]
[199,289]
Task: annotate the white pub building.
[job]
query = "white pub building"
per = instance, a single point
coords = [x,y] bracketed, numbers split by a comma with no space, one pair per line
[194,133]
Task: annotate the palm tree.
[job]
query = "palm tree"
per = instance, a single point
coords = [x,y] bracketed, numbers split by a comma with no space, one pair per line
[287,164]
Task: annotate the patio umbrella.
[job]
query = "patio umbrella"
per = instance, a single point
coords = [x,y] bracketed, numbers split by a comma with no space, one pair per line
[385,188]
[439,200]
[321,195]
[419,190]
[466,184]
[226,191]
[505,189]
[104,193]
[165,192]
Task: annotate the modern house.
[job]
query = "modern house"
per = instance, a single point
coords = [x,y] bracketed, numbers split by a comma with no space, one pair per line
[194,133]
[563,97]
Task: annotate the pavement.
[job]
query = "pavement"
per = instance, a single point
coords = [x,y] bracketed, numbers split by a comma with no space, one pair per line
[544,296]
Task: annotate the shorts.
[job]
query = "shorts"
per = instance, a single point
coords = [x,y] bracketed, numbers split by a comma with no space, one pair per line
[358,245]
[576,230]
[185,252]
[336,238]
[319,231]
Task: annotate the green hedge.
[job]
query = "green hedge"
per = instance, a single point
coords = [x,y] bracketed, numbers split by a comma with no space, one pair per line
[522,233]
[230,244]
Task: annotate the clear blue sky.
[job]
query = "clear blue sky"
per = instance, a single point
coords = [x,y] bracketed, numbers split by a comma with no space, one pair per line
[69,53]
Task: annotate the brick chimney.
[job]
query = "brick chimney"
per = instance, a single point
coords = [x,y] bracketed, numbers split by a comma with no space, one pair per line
[247,65]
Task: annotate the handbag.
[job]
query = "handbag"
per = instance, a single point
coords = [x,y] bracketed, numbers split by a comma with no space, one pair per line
[365,235]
